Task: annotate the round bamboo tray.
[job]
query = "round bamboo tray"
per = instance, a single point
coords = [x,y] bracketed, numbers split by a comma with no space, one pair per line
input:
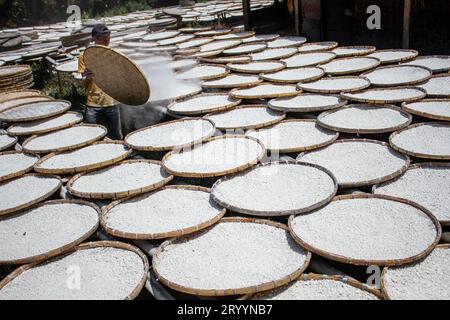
[215,71]
[283,42]
[263,91]
[15,71]
[308,59]
[271,137]
[47,125]
[194,43]
[273,54]
[439,113]
[257,67]
[416,188]
[86,246]
[424,279]
[266,175]
[225,60]
[233,81]
[392,95]
[188,90]
[360,175]
[271,295]
[156,50]
[431,140]
[60,249]
[17,94]
[360,83]
[437,63]
[17,171]
[176,40]
[57,136]
[44,194]
[352,67]
[378,79]
[195,140]
[107,212]
[35,111]
[368,262]
[7,141]
[8,104]
[396,55]
[194,29]
[236,167]
[371,110]
[230,103]
[219,45]
[247,48]
[243,119]
[232,36]
[229,291]
[353,51]
[317,46]
[161,35]
[125,82]
[206,54]
[72,188]
[134,45]
[294,75]
[437,87]
[303,103]
[212,33]
[261,38]
[39,166]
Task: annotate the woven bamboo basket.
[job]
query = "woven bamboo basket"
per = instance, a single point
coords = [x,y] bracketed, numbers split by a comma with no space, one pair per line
[90,167]
[125,83]
[7,145]
[211,33]
[68,147]
[86,246]
[163,235]
[421,61]
[207,54]
[418,95]
[194,29]
[241,67]
[38,199]
[274,54]
[374,63]
[317,46]
[246,48]
[17,94]
[312,277]
[232,291]
[411,55]
[183,53]
[117,195]
[216,75]
[240,35]
[239,168]
[155,36]
[237,93]
[321,120]
[408,107]
[23,113]
[19,172]
[307,86]
[363,262]
[273,104]
[216,84]
[357,51]
[325,58]
[12,103]
[193,91]
[61,249]
[427,73]
[442,90]
[233,102]
[225,60]
[289,41]
[277,76]
[15,71]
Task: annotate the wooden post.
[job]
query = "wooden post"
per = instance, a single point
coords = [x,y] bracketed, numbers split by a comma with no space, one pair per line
[406,23]
[246,10]
[298,17]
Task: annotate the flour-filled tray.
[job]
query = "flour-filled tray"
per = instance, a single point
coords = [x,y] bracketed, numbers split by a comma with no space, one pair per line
[193,43]
[261,38]
[225,59]
[437,87]
[156,36]
[273,54]
[95,156]
[294,75]
[204,103]
[353,51]
[169,212]
[307,102]
[231,258]
[284,42]
[238,35]
[401,75]
[245,49]
[219,45]
[294,135]
[110,271]
[436,63]
[276,189]
[25,235]
[203,72]
[233,80]
[317,46]
[18,94]
[359,162]
[35,111]
[365,119]
[15,102]
[218,156]
[257,67]
[386,95]
[388,56]
[368,230]
[171,135]
[308,59]
[176,40]
[351,65]
[7,141]
[265,90]
[15,164]
[428,140]
[63,121]
[437,109]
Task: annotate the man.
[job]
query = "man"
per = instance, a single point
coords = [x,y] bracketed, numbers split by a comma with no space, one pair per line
[101,108]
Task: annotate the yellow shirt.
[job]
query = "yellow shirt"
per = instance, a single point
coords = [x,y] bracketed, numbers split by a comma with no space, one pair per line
[96,97]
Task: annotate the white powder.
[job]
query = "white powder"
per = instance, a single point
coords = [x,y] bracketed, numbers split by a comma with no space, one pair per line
[365,117]
[245,117]
[294,75]
[65,138]
[222,60]
[393,95]
[425,280]
[238,35]
[183,63]
[269,190]
[126,176]
[27,235]
[261,38]
[437,64]
[287,42]
[336,84]
[6,141]
[431,108]
[266,90]
[274,54]
[437,86]
[352,51]
[424,184]
[46,125]
[307,103]
[86,156]
[161,35]
[219,45]
[39,109]
[256,67]
[388,56]
[397,75]
[194,43]
[350,65]
[203,104]
[16,102]
[367,229]
[106,274]
[202,72]
[317,46]
[231,255]
[26,189]
[323,289]
[215,156]
[15,162]
[180,90]
[248,48]
[308,59]
[431,139]
[163,211]
[355,162]
[133,45]
[171,134]
[233,81]
[176,40]
[210,33]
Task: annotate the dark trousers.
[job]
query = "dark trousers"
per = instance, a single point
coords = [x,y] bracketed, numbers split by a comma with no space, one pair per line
[108,117]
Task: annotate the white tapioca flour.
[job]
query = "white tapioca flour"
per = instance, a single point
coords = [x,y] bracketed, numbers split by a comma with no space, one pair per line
[232,81]
[307,103]
[392,95]
[15,162]
[437,86]
[46,125]
[349,65]
[308,59]
[5,141]
[203,103]
[257,67]
[398,75]
[431,108]
[435,63]
[336,84]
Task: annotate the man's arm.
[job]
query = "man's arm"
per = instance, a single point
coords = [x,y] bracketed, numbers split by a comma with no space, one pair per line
[86,74]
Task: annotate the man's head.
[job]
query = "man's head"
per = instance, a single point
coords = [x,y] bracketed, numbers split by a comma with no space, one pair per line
[101,35]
